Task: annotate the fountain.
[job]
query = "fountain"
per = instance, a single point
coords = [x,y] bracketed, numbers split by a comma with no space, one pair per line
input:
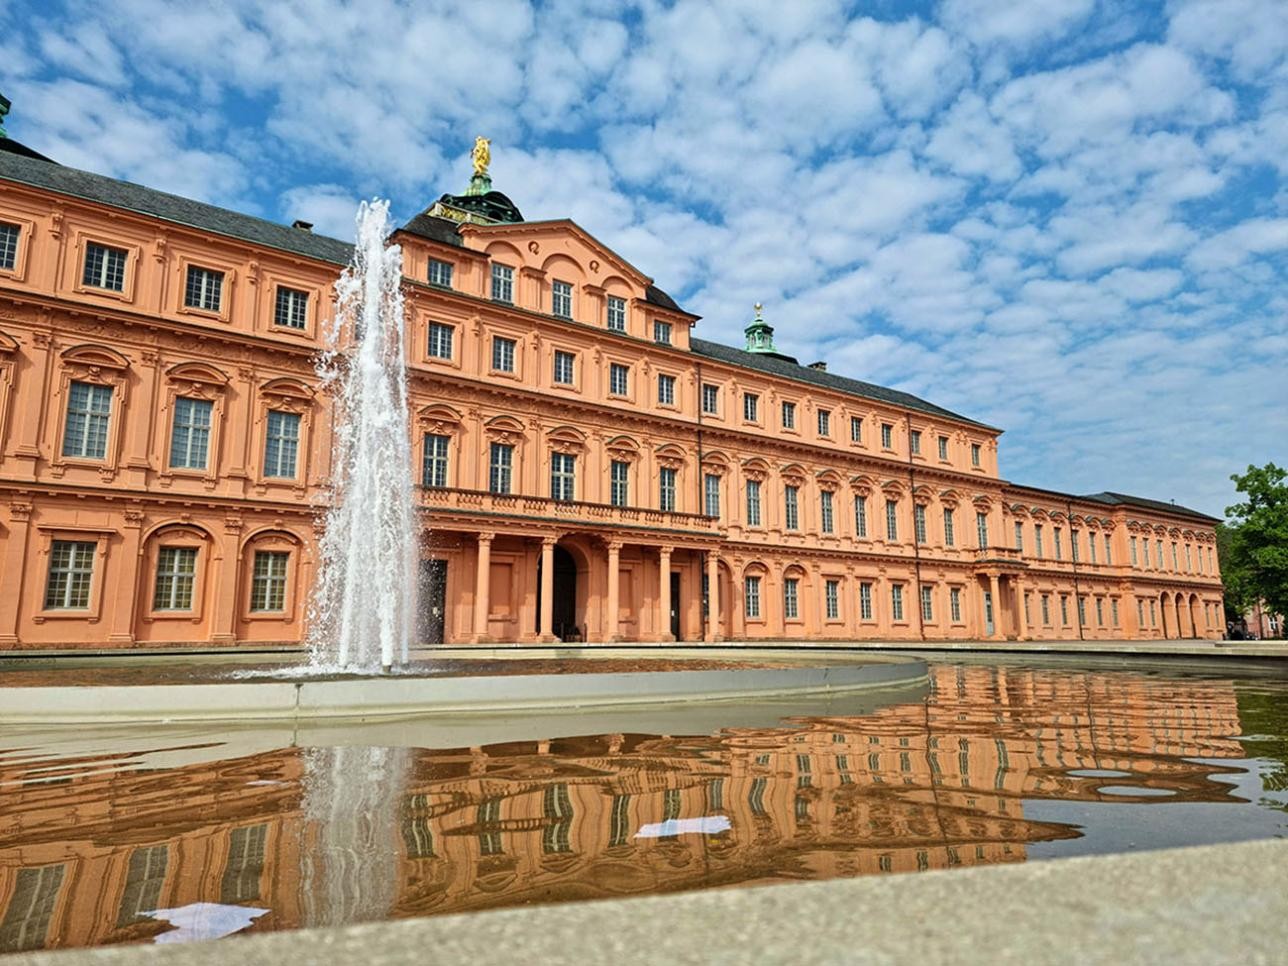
[363,605]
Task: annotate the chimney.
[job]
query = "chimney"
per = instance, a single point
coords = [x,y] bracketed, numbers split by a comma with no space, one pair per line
[302,225]
[820,366]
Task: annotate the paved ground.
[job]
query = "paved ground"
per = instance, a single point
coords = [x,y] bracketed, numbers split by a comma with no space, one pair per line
[1215,904]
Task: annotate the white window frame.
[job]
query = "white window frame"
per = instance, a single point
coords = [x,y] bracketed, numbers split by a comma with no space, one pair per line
[502,283]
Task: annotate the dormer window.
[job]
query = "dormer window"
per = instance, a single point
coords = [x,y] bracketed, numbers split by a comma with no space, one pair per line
[204,289]
[561,299]
[662,333]
[104,267]
[616,314]
[502,284]
[440,273]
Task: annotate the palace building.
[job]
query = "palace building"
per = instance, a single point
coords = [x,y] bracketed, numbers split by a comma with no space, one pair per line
[588,467]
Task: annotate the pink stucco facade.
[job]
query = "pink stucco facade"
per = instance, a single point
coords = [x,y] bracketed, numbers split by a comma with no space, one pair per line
[645,496]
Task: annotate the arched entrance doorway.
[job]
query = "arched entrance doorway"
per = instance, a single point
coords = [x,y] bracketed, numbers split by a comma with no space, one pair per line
[1198,624]
[564,621]
[1164,602]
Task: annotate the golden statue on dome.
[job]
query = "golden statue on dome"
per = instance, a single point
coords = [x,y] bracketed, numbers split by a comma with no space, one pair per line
[482,155]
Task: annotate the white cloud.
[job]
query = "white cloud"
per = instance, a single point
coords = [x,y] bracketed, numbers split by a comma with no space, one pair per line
[1230,248]
[1017,22]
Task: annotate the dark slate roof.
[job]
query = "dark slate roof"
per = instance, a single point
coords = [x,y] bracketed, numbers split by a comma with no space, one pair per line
[442,230]
[789,370]
[655,296]
[1122,499]
[17,147]
[172,208]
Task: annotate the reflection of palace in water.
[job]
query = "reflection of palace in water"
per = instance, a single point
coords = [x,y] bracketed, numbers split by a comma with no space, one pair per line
[87,850]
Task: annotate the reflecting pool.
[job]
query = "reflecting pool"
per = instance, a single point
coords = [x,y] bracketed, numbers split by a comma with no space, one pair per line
[166,835]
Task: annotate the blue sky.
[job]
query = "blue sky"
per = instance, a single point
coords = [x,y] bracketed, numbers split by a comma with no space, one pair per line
[1067,218]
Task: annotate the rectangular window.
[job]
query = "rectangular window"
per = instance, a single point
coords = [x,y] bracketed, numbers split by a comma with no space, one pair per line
[861,517]
[104,267]
[1109,558]
[789,415]
[1176,565]
[1064,610]
[1019,536]
[832,599]
[1159,548]
[955,604]
[974,454]
[981,530]
[887,436]
[71,574]
[919,523]
[927,604]
[824,422]
[440,340]
[1140,612]
[791,509]
[856,429]
[1132,546]
[563,476]
[434,469]
[561,299]
[666,489]
[1100,611]
[1082,610]
[281,443]
[1091,545]
[943,447]
[268,580]
[1028,617]
[753,503]
[176,575]
[619,483]
[950,537]
[500,469]
[1189,564]
[292,309]
[914,442]
[1073,544]
[616,314]
[825,511]
[8,245]
[1153,614]
[89,409]
[1037,540]
[502,283]
[710,398]
[190,433]
[752,597]
[502,354]
[1113,611]
[1046,609]
[618,379]
[662,332]
[791,603]
[892,520]
[711,495]
[440,273]
[896,602]
[204,289]
[564,364]
[865,601]
[1059,550]
[750,407]
[665,390]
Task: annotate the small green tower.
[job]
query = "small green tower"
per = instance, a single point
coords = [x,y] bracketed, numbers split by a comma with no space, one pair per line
[760,334]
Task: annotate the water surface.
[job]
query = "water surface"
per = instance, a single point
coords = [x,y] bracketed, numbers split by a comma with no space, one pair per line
[155,835]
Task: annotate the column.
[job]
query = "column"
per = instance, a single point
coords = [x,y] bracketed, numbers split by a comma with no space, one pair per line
[1021,618]
[664,595]
[713,597]
[997,608]
[612,620]
[226,559]
[127,576]
[1176,608]
[547,590]
[482,587]
[12,566]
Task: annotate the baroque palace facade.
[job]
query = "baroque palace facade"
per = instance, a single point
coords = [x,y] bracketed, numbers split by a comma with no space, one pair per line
[589,468]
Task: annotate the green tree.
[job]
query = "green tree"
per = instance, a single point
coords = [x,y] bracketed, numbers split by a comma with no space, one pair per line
[1254,539]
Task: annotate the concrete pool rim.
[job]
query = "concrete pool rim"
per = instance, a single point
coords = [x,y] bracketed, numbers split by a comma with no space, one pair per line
[366,698]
